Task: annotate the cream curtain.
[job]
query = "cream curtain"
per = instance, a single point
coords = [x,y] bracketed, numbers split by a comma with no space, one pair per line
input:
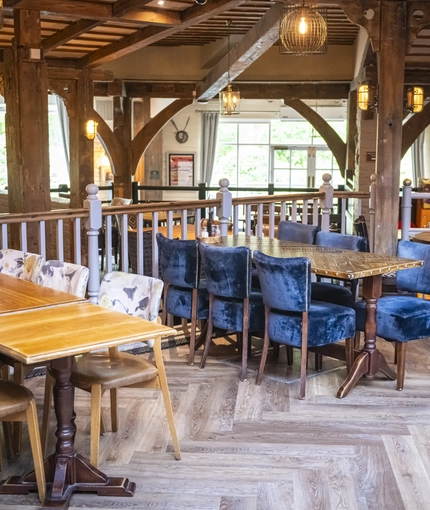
[208,145]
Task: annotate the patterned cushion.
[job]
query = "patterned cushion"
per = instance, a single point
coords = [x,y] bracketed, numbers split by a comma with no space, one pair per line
[21,264]
[64,276]
[133,294]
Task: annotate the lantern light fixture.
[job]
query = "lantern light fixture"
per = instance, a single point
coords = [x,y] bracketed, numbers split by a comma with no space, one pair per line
[229,98]
[91,129]
[415,99]
[366,97]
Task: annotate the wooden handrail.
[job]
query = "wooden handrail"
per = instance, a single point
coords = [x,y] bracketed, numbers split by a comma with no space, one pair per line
[58,214]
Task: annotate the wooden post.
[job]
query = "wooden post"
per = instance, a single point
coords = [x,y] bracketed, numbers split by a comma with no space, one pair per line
[224,212]
[391,63]
[372,200]
[93,225]
[122,130]
[406,209]
[26,95]
[326,203]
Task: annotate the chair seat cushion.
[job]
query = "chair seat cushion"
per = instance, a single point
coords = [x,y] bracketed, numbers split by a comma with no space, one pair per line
[13,398]
[328,323]
[227,313]
[399,318]
[121,370]
[332,293]
[178,301]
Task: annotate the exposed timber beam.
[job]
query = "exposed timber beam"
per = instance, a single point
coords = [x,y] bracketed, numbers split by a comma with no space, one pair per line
[73,73]
[67,34]
[122,7]
[414,127]
[256,42]
[151,35]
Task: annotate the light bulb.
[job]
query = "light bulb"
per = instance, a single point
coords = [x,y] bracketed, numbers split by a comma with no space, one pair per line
[303,26]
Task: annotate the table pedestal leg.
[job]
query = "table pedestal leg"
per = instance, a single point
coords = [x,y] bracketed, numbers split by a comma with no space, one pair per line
[66,471]
[370,361]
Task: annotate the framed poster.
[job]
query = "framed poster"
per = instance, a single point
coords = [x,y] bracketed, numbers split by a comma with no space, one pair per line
[181,169]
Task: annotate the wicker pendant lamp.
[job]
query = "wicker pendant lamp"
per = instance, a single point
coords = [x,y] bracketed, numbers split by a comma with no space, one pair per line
[303,30]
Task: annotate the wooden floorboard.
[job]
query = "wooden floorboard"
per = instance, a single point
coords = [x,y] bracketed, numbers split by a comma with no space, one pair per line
[248,447]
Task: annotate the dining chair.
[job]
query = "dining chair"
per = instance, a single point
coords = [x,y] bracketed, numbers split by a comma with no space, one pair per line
[185,294]
[20,264]
[292,318]
[64,276]
[403,317]
[17,404]
[96,372]
[297,232]
[233,304]
[336,293]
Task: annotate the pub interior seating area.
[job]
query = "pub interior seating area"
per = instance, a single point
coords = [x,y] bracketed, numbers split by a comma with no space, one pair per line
[214,254]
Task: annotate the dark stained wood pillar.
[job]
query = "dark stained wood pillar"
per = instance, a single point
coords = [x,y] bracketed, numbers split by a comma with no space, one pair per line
[26,96]
[81,149]
[391,62]
[122,130]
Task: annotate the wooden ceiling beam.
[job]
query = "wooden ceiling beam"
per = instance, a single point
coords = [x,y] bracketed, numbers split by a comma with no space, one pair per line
[122,7]
[76,9]
[256,42]
[151,35]
[67,34]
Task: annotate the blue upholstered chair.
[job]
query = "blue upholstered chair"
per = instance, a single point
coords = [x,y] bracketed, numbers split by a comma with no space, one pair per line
[292,318]
[185,295]
[233,306]
[298,232]
[401,318]
[331,292]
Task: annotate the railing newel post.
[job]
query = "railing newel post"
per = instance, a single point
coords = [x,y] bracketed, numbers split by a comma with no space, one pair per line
[93,224]
[406,209]
[326,203]
[224,211]
[372,208]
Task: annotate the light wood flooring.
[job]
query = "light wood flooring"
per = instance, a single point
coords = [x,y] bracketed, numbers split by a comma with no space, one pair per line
[248,447]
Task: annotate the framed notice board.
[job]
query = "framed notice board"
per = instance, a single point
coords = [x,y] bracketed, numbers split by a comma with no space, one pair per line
[181,169]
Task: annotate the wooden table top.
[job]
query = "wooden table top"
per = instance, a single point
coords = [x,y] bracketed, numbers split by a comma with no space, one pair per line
[329,262]
[177,231]
[422,237]
[44,334]
[17,295]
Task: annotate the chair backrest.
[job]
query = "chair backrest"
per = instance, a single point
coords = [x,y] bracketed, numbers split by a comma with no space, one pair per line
[20,264]
[285,282]
[414,279]
[179,261]
[132,294]
[64,276]
[227,270]
[298,232]
[360,228]
[342,241]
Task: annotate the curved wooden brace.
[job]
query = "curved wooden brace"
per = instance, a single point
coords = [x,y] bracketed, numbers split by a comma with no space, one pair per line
[414,127]
[333,140]
[147,133]
[111,144]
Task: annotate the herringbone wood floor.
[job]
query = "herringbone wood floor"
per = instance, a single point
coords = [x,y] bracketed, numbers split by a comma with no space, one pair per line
[247,447]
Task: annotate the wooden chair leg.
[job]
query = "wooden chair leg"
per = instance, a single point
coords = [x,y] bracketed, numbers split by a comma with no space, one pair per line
[304,357]
[349,353]
[208,334]
[8,438]
[96,404]
[318,361]
[245,331]
[113,410]
[290,355]
[357,340]
[47,399]
[166,396]
[36,449]
[194,302]
[164,313]
[265,348]
[18,377]
[401,363]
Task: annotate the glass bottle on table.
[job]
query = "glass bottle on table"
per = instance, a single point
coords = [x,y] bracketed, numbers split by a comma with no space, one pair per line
[209,225]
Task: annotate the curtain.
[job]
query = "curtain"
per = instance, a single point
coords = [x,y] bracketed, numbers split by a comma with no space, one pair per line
[418,159]
[208,145]
[64,128]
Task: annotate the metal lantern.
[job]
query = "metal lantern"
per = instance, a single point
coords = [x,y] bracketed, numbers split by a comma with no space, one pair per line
[229,98]
[303,30]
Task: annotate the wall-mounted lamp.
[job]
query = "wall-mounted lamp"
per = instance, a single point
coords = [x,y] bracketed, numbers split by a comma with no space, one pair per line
[415,99]
[366,97]
[91,129]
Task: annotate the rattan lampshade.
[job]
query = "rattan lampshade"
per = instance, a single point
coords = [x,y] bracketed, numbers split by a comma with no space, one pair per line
[303,30]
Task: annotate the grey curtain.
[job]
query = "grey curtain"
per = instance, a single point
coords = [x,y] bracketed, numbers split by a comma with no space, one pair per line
[418,159]
[64,128]
[208,145]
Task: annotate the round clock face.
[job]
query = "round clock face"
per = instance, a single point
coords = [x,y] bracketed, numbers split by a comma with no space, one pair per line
[181,136]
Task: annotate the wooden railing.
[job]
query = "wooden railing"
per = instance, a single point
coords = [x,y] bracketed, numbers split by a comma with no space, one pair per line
[59,234]
[406,211]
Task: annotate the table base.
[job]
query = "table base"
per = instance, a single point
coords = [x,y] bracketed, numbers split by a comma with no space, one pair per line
[66,475]
[367,364]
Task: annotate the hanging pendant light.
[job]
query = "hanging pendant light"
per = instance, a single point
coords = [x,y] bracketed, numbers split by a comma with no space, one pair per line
[303,30]
[229,98]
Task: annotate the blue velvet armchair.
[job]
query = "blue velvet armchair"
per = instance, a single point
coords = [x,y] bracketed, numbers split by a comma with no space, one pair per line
[291,318]
[298,232]
[332,292]
[233,305]
[401,318]
[185,294]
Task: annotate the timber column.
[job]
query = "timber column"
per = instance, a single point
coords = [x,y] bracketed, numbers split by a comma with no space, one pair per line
[391,64]
[26,96]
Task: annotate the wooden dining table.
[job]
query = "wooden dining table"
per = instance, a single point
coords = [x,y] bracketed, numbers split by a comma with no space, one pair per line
[348,265]
[56,334]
